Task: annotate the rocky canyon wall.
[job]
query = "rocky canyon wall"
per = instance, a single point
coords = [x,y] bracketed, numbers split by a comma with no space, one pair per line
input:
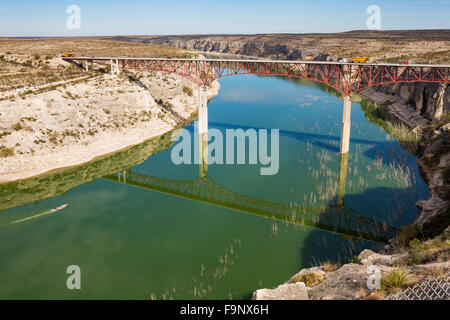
[430,100]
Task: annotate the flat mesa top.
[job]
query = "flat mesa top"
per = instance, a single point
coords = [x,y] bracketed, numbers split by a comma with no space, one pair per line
[264,61]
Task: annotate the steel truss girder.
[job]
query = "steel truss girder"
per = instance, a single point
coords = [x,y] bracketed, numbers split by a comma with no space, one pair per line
[346,78]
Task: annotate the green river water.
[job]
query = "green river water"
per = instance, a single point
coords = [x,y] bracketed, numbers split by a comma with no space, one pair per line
[132,241]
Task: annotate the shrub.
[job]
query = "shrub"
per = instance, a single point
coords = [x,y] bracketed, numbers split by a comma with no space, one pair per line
[425,252]
[329,267]
[310,279]
[376,295]
[53,137]
[18,126]
[188,91]
[407,234]
[355,259]
[397,278]
[6,152]
[4,134]
[414,244]
[167,103]
[417,253]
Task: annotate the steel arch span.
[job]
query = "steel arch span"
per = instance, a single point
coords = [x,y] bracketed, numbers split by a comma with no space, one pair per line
[346,78]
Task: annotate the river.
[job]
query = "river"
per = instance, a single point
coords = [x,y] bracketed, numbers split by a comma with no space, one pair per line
[143,240]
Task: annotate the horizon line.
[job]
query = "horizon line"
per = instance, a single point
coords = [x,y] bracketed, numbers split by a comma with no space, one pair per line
[222,34]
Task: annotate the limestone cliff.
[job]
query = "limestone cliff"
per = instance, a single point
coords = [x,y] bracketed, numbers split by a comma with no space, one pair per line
[430,100]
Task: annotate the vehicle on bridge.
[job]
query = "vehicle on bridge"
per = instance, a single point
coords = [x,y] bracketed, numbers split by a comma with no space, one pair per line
[67,55]
[361,59]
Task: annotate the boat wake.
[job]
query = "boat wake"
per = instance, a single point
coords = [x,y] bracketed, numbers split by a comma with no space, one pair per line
[34,215]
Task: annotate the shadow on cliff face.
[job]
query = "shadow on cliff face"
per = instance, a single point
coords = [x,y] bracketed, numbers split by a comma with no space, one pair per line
[175,116]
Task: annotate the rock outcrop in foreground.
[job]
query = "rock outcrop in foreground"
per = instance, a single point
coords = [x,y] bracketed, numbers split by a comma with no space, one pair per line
[287,291]
[356,281]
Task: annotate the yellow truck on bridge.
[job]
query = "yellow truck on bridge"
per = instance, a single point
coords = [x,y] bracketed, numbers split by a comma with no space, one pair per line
[361,59]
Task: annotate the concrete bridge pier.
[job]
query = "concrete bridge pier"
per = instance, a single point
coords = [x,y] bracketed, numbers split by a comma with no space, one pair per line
[89,63]
[202,131]
[115,69]
[123,175]
[343,169]
[202,111]
[345,131]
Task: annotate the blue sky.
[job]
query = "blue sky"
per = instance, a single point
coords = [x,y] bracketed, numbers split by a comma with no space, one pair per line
[113,17]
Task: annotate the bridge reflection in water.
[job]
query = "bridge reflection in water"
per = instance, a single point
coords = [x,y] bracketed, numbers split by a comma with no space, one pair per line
[338,218]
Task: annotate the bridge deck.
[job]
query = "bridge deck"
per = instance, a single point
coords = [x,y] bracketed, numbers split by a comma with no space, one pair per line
[261,61]
[345,77]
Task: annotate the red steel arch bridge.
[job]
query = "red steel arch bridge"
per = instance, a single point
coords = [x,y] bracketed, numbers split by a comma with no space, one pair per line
[346,78]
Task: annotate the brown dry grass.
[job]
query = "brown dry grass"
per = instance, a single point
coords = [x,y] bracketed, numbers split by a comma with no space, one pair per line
[431,46]
[310,279]
[14,75]
[31,62]
[329,266]
[87,47]
[376,295]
